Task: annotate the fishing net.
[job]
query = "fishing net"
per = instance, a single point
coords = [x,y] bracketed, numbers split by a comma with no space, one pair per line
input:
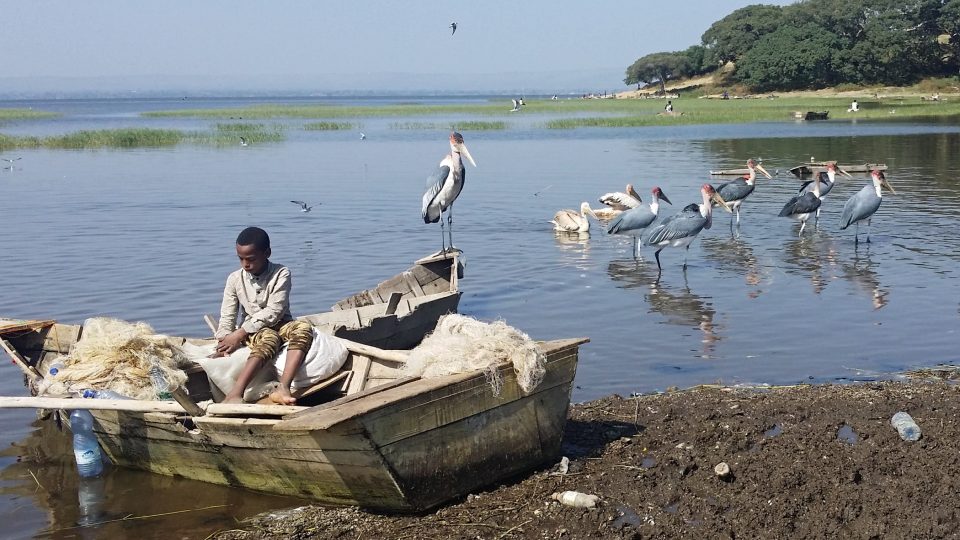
[460,344]
[116,355]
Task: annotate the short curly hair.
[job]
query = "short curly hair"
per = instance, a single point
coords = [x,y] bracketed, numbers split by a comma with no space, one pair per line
[254,236]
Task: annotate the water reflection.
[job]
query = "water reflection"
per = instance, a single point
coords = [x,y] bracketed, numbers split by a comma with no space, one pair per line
[813,257]
[574,247]
[678,306]
[735,255]
[43,476]
[861,272]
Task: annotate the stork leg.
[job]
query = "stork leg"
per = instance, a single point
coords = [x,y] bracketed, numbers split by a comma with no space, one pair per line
[802,225]
[738,214]
[656,255]
[443,237]
[856,234]
[450,225]
[685,253]
[868,231]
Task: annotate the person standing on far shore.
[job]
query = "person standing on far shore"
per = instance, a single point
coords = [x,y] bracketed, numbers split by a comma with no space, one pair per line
[669,106]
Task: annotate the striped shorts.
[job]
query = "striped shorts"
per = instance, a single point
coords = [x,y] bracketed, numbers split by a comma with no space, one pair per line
[266,343]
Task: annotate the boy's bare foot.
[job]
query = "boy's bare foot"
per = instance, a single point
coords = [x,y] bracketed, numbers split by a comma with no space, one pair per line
[232,399]
[282,396]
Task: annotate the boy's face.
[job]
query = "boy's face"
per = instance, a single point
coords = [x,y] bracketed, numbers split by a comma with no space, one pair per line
[252,259]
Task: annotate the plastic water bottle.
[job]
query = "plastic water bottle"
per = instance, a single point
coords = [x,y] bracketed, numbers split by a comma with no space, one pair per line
[906,427]
[86,450]
[103,394]
[160,384]
[55,368]
[575,498]
[91,499]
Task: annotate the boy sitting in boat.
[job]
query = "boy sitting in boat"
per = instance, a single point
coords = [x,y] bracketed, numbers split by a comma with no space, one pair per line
[262,289]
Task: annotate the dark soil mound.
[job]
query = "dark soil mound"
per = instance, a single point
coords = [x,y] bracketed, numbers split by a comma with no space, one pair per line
[807,462]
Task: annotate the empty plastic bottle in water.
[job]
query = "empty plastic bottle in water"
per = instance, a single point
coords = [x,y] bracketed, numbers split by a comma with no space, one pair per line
[91,498]
[103,394]
[906,427]
[86,450]
[55,368]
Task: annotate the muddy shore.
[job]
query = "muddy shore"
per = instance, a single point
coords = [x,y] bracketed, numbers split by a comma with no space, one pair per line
[805,462]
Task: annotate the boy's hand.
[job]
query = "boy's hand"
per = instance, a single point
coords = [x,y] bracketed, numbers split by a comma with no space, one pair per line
[231,342]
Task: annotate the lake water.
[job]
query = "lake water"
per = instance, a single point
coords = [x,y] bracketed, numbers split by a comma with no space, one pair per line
[148,235]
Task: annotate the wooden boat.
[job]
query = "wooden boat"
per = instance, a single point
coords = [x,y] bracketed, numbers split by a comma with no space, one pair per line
[808,169]
[398,312]
[388,442]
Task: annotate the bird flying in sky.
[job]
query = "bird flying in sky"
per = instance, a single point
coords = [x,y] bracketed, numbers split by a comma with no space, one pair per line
[453,26]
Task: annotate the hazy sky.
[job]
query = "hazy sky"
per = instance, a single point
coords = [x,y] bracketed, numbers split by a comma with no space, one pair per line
[112,38]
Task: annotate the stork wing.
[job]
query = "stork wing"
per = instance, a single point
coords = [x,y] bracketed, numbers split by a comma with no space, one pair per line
[861,206]
[735,190]
[804,204]
[619,201]
[634,219]
[677,226]
[430,211]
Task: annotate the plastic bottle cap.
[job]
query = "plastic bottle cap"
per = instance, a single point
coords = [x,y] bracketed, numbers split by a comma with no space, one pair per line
[53,371]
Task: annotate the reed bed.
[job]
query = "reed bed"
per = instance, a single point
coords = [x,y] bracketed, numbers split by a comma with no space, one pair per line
[24,114]
[327,126]
[472,125]
[330,111]
[222,134]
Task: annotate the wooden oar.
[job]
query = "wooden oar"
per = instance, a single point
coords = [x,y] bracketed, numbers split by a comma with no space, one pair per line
[352,346]
[21,363]
[136,405]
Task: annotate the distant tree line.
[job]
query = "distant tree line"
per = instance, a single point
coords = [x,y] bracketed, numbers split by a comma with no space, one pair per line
[819,43]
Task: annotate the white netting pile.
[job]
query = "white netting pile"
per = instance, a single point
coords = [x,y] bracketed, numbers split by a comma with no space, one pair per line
[115,355]
[460,344]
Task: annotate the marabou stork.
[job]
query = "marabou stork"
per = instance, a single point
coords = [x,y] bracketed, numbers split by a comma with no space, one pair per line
[680,229]
[444,186]
[827,180]
[633,221]
[864,203]
[801,206]
[736,191]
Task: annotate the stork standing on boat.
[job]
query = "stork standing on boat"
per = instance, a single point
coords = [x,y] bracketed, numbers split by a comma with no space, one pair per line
[801,206]
[864,203]
[827,181]
[737,191]
[680,229]
[572,221]
[444,186]
[634,221]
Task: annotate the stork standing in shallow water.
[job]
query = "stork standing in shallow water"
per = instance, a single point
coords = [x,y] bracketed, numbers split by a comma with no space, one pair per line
[827,181]
[801,206]
[572,221]
[680,229]
[864,203]
[444,186]
[737,191]
[635,220]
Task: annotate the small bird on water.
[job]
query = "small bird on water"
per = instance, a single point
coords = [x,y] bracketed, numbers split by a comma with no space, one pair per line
[453,26]
[303,206]
[243,141]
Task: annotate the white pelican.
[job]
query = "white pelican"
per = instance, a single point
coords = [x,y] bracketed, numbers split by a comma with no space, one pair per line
[572,221]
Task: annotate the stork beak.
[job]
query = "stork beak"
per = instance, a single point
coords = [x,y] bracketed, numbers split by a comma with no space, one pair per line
[663,197]
[719,200]
[843,172]
[465,152]
[761,169]
[884,183]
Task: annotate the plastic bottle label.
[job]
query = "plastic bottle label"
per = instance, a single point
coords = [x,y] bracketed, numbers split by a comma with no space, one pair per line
[85,457]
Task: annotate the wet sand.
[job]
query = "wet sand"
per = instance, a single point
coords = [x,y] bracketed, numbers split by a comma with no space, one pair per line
[806,462]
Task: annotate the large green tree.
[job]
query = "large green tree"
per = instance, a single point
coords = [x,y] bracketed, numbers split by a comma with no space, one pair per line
[729,38]
[791,58]
[658,67]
